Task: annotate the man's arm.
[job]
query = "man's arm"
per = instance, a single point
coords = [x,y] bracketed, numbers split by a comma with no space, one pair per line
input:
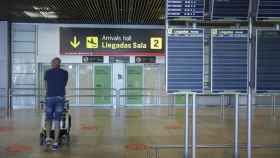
[45,82]
[66,78]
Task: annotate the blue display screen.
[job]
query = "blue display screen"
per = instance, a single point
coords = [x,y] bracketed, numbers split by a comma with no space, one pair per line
[229,60]
[236,9]
[268,60]
[269,9]
[185,60]
[185,8]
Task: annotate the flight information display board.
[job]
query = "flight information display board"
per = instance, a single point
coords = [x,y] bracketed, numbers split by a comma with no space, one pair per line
[269,9]
[268,60]
[230,9]
[185,60]
[185,8]
[229,60]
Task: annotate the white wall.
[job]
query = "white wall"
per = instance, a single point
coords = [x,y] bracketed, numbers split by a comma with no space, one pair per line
[3,58]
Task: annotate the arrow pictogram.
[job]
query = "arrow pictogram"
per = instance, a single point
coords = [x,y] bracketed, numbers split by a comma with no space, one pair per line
[75,43]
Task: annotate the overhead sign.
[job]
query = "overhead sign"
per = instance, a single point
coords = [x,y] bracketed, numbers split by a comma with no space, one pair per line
[141,59]
[185,8]
[111,41]
[229,60]
[93,59]
[185,60]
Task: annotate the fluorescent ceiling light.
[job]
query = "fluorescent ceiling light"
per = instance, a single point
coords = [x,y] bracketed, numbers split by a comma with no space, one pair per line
[49,15]
[41,14]
[33,14]
[41,8]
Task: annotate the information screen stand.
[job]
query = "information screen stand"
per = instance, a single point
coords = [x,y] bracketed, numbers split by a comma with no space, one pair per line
[186,127]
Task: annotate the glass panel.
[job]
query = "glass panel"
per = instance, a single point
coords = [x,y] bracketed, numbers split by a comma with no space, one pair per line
[23,68]
[71,85]
[151,83]
[24,36]
[164,99]
[23,47]
[24,27]
[102,79]
[19,101]
[134,81]
[23,58]
[41,85]
[19,79]
[86,83]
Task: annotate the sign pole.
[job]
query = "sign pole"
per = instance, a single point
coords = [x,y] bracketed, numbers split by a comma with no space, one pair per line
[186,144]
[250,81]
[236,128]
[194,126]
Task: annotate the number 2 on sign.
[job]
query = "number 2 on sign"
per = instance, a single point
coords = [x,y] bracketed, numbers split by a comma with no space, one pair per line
[156,43]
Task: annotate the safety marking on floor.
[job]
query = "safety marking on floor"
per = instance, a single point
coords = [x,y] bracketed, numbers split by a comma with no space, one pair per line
[136,146]
[173,126]
[86,127]
[17,148]
[5,129]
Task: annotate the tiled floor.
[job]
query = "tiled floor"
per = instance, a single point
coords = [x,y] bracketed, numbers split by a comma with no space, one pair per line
[102,133]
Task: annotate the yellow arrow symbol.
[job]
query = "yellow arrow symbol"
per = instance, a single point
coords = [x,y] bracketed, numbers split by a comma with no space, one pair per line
[75,43]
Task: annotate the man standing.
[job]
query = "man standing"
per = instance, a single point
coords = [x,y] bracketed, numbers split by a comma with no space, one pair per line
[55,83]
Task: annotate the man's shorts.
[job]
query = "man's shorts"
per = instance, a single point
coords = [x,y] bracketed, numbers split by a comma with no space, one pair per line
[54,108]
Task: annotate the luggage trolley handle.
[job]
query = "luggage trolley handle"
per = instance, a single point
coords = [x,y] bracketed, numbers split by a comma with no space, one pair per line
[66,105]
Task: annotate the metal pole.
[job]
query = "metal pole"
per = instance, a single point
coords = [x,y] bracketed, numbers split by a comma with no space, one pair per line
[250,84]
[236,128]
[194,127]
[118,102]
[273,107]
[223,107]
[186,153]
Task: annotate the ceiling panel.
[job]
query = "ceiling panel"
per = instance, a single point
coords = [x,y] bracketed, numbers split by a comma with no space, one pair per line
[147,12]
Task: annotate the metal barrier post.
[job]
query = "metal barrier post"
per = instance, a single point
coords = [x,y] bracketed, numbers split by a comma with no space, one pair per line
[236,128]
[273,107]
[194,127]
[186,143]
[118,102]
[9,106]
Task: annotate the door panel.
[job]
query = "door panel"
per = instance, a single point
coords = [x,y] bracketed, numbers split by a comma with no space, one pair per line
[134,80]
[102,81]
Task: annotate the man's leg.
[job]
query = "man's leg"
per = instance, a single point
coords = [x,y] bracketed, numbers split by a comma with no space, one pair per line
[49,117]
[57,117]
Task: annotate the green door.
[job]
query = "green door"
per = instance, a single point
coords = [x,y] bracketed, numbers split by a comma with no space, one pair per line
[134,84]
[102,83]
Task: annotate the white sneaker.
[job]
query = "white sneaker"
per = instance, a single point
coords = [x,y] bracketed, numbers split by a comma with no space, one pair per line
[48,141]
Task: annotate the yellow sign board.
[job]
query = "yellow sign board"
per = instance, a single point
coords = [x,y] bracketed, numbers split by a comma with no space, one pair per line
[91,42]
[156,42]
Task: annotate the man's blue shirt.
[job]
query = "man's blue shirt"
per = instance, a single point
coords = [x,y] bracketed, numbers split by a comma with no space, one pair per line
[56,82]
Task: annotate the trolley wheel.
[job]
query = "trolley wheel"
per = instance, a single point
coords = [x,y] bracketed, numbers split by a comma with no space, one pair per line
[66,139]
